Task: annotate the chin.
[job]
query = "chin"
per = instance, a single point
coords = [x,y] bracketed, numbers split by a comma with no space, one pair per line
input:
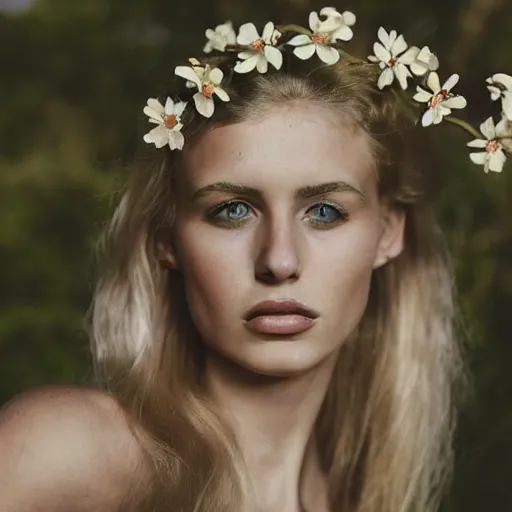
[280,358]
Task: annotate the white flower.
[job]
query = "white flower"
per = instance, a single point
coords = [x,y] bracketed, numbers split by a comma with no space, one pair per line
[261,50]
[336,23]
[168,119]
[222,36]
[500,86]
[425,61]
[208,81]
[440,100]
[335,27]
[389,53]
[493,158]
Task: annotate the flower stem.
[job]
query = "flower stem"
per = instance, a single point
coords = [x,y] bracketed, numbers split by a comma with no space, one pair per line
[464,125]
[294,28]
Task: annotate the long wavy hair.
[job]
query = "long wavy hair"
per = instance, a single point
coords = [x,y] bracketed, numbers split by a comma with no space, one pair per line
[385,428]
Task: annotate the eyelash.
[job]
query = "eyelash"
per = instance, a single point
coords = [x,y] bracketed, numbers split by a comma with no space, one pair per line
[343,214]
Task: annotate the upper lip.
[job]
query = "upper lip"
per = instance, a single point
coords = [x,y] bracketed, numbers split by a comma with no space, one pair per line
[280,307]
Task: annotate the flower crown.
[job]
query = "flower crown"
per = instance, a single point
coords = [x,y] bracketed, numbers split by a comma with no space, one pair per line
[397,61]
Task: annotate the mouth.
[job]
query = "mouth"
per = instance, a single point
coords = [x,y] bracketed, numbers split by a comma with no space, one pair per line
[280,317]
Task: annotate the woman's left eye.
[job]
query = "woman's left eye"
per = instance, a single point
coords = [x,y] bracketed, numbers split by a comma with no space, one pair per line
[326,214]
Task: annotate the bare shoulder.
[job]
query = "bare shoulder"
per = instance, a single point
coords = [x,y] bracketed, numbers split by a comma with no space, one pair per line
[65,448]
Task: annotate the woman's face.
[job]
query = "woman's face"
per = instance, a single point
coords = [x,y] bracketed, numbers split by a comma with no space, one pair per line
[281,209]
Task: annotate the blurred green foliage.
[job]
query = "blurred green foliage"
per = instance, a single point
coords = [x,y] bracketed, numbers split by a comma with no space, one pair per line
[75,76]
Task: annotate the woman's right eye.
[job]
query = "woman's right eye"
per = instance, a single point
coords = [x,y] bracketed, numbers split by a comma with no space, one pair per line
[233,211]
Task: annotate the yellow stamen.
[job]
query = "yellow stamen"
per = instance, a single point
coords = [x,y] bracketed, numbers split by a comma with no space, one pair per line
[438,98]
[170,121]
[321,38]
[207,89]
[492,146]
[258,45]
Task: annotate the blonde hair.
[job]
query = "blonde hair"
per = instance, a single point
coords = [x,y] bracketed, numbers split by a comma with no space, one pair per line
[385,428]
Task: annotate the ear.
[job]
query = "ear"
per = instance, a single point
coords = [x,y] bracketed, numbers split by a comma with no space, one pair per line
[391,242]
[165,250]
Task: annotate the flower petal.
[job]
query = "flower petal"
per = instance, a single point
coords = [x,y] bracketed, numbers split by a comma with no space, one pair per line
[451,82]
[428,118]
[504,128]
[305,52]
[386,78]
[398,46]
[215,76]
[227,31]
[247,34]
[300,40]
[349,18]
[180,107]
[442,110]
[327,54]
[503,79]
[247,54]
[156,105]
[157,136]
[247,65]
[479,158]
[329,25]
[433,62]
[274,56]
[421,95]
[383,37]
[261,63]
[381,53]
[438,113]
[402,74]
[433,82]
[344,33]
[176,140]
[153,115]
[477,143]
[221,93]
[392,38]
[497,161]
[488,129]
[169,106]
[506,105]
[455,102]
[267,32]
[409,56]
[419,68]
[314,21]
[205,106]
[189,74]
[330,12]
[495,91]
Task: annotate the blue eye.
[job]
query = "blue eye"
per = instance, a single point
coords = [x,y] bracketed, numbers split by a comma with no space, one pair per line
[232,211]
[326,214]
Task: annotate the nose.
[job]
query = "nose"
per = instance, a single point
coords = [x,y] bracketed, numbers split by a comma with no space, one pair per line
[278,258]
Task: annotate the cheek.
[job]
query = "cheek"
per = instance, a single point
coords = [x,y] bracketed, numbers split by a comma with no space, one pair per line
[344,271]
[212,271]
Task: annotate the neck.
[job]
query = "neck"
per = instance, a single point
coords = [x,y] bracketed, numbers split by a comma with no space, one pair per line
[273,420]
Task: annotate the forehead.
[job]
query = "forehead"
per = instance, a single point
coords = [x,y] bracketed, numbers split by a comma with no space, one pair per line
[294,145]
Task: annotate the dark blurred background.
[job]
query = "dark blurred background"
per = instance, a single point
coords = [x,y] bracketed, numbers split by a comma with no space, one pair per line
[74,77]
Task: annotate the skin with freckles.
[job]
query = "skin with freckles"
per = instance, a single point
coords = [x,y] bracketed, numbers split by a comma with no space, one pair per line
[280,207]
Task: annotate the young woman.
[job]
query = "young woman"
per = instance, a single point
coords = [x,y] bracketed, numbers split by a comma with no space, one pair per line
[273,328]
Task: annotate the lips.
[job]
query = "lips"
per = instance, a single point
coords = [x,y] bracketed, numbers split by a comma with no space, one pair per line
[280,317]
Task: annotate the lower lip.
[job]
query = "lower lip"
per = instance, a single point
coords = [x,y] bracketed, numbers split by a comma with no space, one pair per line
[280,324]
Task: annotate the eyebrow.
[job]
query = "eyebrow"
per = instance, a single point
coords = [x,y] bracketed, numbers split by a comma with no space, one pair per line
[307,192]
